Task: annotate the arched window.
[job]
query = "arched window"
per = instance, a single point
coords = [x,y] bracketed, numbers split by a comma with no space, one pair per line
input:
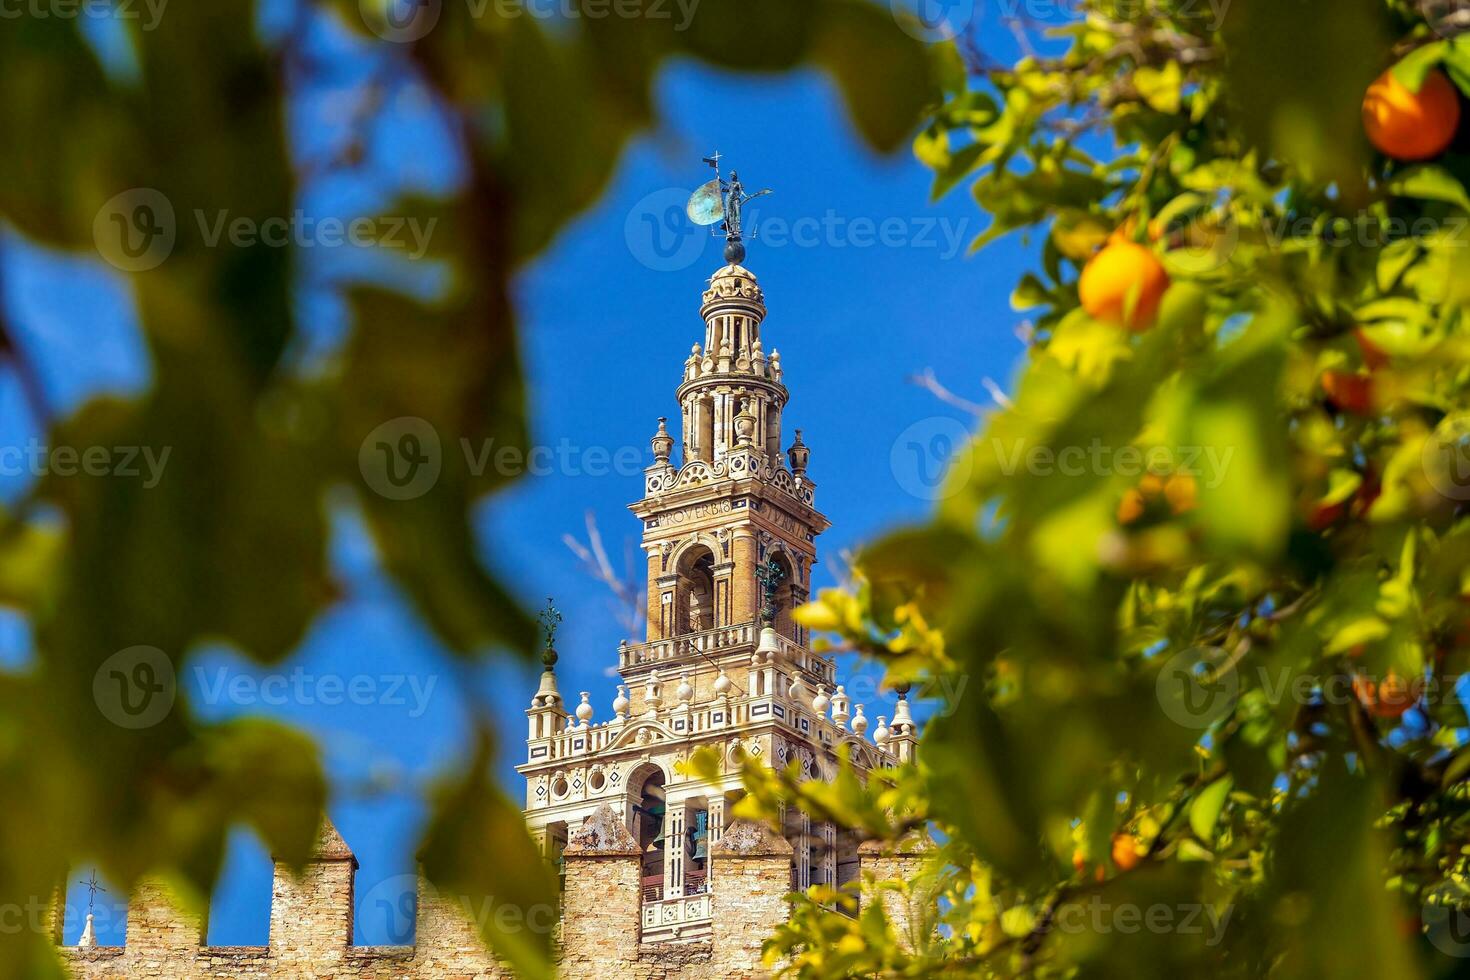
[694,596]
[646,788]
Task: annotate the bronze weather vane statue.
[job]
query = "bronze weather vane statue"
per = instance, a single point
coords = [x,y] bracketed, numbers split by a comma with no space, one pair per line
[720,201]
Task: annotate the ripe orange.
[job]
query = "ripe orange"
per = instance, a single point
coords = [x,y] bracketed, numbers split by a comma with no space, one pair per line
[1125,852]
[1374,357]
[1131,507]
[1123,273]
[1349,392]
[1391,698]
[1411,125]
[1182,492]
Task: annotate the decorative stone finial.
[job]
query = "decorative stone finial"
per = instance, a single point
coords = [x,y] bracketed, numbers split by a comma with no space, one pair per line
[859,721]
[744,424]
[799,455]
[663,443]
[685,691]
[584,710]
[722,683]
[881,734]
[620,703]
[902,720]
[821,701]
[550,619]
[651,693]
[839,708]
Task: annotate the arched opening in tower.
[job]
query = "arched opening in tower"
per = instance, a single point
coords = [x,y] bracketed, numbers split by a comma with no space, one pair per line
[649,811]
[694,599]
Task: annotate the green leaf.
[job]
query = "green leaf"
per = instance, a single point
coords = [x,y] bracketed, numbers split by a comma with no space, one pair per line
[1429,182]
[1204,812]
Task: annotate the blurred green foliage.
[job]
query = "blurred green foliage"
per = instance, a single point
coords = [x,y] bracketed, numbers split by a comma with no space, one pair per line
[230,547]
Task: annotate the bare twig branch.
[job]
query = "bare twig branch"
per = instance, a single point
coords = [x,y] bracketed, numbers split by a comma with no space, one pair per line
[630,605]
[934,386]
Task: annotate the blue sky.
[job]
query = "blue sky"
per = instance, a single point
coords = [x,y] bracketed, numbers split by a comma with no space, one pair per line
[606,324]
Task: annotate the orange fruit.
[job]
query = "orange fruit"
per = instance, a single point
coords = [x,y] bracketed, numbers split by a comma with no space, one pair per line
[1182,492]
[1349,392]
[1387,700]
[1124,283]
[1125,852]
[1151,485]
[1131,507]
[1374,357]
[1395,696]
[1411,125]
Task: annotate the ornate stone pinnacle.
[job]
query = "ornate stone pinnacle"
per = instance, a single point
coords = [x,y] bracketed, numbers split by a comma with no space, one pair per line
[550,619]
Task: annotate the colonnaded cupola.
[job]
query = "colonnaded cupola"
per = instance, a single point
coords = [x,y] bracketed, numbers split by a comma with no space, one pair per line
[730,534]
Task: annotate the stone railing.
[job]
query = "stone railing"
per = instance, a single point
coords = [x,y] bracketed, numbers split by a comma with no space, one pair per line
[685,917]
[721,639]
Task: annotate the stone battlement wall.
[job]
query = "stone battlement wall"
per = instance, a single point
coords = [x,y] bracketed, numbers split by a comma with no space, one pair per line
[311,922]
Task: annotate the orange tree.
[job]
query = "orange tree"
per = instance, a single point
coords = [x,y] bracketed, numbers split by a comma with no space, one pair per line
[1212,720]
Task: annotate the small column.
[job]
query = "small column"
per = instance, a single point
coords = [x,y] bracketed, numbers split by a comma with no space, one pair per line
[675,819]
[829,853]
[716,809]
[803,851]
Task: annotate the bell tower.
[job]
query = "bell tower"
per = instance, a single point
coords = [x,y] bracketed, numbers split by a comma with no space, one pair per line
[729,530]
[732,507]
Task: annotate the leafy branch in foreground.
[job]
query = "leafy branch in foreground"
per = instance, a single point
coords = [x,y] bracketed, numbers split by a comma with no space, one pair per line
[1206,574]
